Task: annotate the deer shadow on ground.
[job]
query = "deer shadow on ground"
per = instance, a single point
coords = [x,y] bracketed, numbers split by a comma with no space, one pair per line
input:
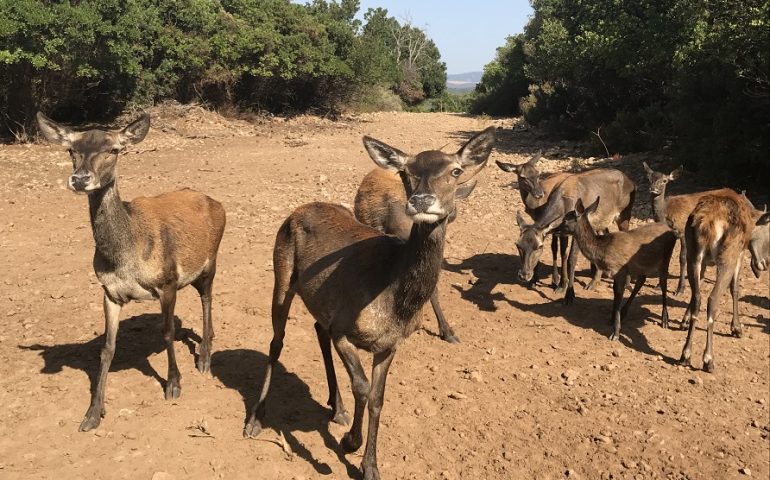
[290,405]
[133,347]
[493,269]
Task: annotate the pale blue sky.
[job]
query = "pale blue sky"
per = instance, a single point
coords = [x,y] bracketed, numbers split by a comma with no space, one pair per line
[466,32]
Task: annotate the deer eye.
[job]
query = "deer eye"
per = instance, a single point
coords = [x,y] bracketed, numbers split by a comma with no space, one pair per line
[456,172]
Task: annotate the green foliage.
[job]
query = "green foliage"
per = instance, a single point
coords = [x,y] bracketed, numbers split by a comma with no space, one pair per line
[89,59]
[690,74]
[503,82]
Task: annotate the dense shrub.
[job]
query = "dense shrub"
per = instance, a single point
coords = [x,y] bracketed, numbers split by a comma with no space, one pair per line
[88,60]
[692,74]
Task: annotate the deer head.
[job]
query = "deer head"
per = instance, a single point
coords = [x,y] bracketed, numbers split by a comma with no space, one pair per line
[94,153]
[434,179]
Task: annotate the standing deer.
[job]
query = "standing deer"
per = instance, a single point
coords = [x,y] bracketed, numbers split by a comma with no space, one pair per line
[362,287]
[717,232]
[381,203]
[534,194]
[674,210]
[624,255]
[147,248]
[617,192]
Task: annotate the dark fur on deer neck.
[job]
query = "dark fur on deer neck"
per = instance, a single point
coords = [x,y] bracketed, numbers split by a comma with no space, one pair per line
[110,224]
[422,257]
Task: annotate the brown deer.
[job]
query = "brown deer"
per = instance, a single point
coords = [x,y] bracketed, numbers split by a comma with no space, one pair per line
[381,203]
[362,287]
[674,210]
[719,229]
[617,192]
[625,255]
[147,248]
[534,194]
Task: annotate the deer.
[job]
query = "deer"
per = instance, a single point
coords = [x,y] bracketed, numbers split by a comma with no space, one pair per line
[365,288]
[147,248]
[719,229]
[617,193]
[534,194]
[625,255]
[380,202]
[674,210]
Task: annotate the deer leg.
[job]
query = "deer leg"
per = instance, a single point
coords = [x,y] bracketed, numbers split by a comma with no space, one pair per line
[736,328]
[563,244]
[555,278]
[637,286]
[618,287]
[712,311]
[96,410]
[596,277]
[691,314]
[664,294]
[446,332]
[380,366]
[682,267]
[282,298]
[167,304]
[353,439]
[569,296]
[204,286]
[339,415]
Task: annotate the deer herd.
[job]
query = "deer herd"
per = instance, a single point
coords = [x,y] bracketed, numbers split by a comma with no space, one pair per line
[365,275]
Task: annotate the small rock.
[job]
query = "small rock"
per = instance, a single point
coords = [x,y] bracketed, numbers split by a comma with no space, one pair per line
[745,471]
[616,353]
[162,476]
[475,376]
[457,396]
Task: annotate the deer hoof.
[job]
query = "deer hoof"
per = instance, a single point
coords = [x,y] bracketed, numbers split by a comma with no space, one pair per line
[708,366]
[252,429]
[173,390]
[92,419]
[350,444]
[204,364]
[341,418]
[737,332]
[685,361]
[450,338]
[679,292]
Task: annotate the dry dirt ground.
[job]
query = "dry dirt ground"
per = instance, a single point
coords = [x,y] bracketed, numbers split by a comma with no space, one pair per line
[535,389]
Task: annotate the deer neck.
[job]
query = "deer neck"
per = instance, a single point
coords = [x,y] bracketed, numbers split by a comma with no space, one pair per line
[659,205]
[110,223]
[420,267]
[530,202]
[588,241]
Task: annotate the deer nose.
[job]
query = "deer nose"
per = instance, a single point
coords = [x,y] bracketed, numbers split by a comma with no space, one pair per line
[422,201]
[80,180]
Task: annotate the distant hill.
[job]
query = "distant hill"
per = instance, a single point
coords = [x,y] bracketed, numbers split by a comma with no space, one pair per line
[463,82]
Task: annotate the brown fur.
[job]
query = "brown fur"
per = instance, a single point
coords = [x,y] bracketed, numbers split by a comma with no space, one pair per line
[381,203]
[362,287]
[147,248]
[717,232]
[625,255]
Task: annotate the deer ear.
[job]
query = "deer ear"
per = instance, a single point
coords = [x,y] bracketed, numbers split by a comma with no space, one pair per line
[763,219]
[647,168]
[676,173]
[507,167]
[136,130]
[520,219]
[579,208]
[384,155]
[464,190]
[474,154]
[53,132]
[592,208]
[534,160]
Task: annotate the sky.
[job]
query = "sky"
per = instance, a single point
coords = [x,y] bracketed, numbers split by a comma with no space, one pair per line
[466,32]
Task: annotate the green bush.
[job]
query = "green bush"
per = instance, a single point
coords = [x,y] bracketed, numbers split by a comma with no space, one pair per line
[90,59]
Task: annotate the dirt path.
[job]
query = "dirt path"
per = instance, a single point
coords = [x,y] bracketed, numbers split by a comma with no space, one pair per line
[535,390]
